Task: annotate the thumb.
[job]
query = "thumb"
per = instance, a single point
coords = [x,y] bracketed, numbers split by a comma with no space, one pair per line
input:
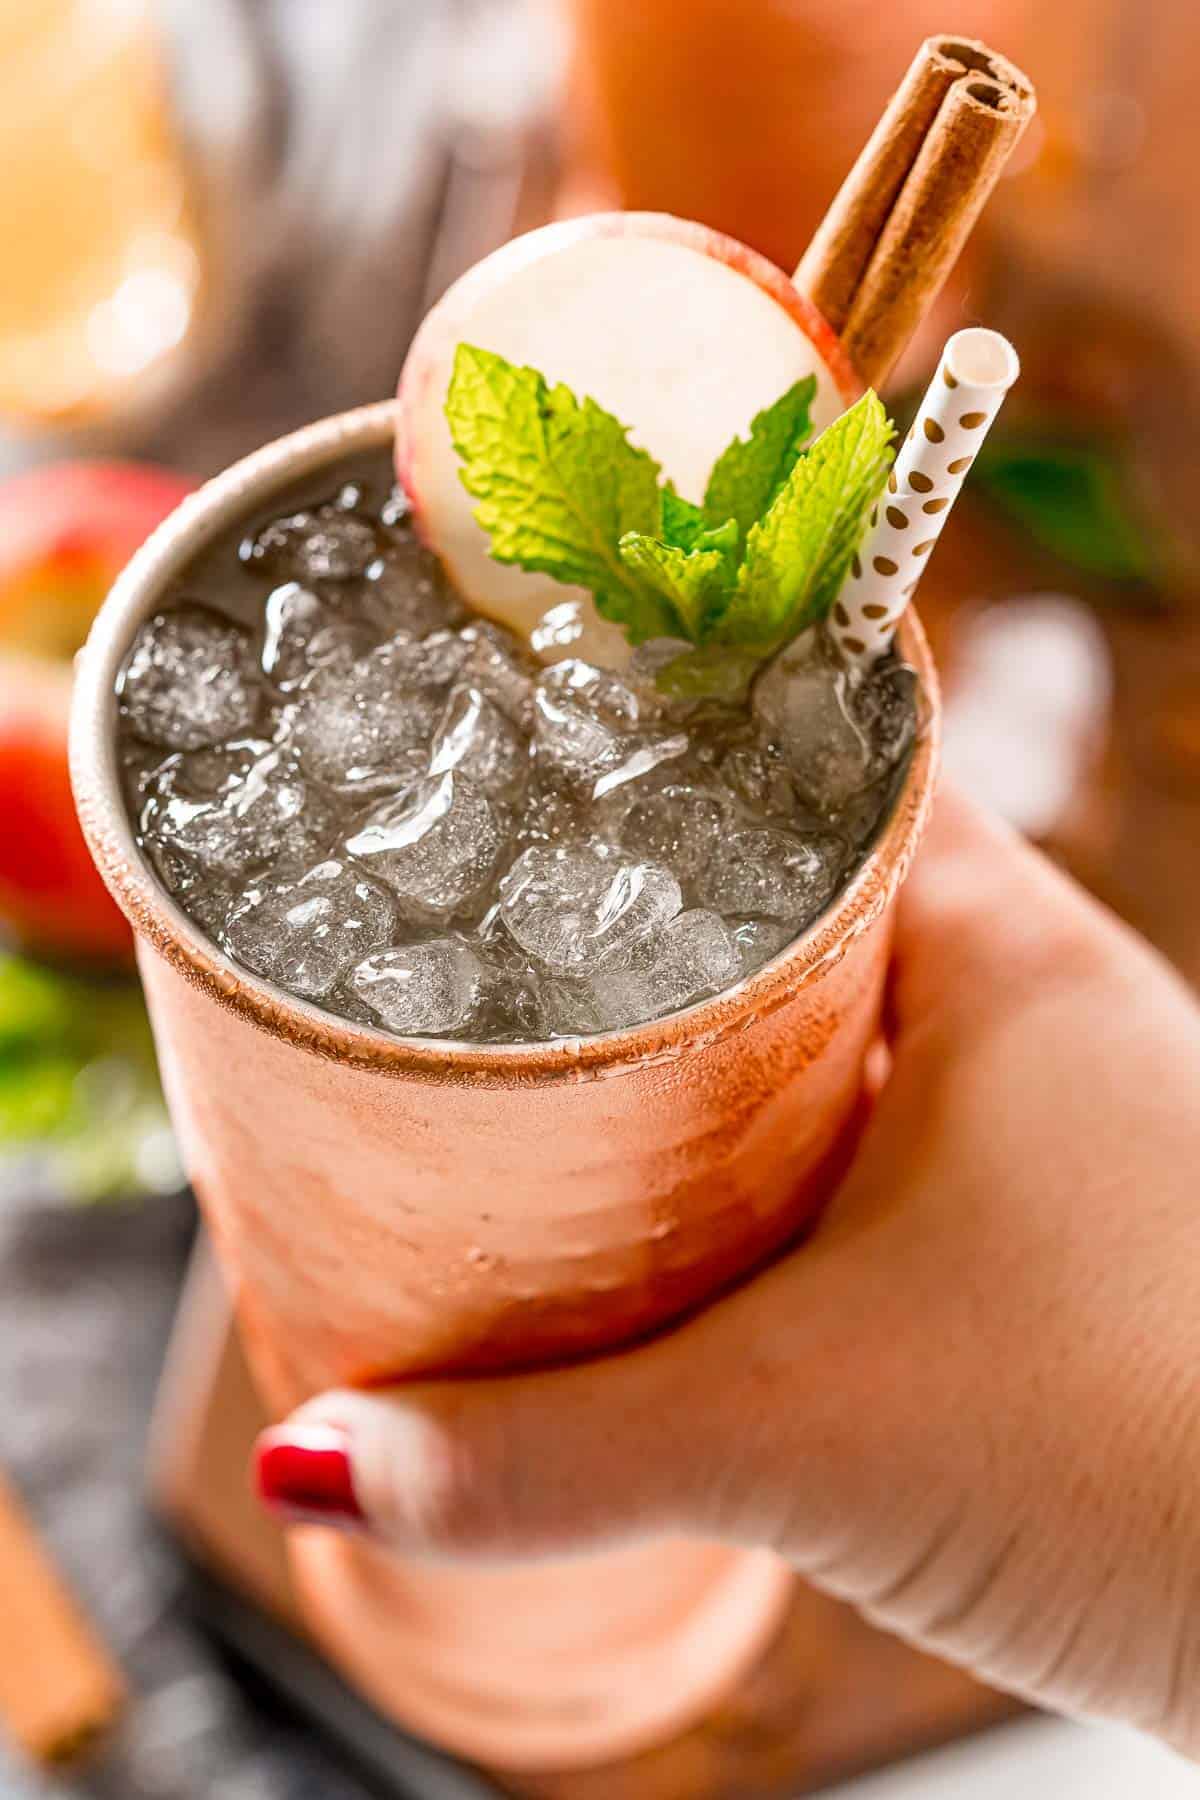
[525,1465]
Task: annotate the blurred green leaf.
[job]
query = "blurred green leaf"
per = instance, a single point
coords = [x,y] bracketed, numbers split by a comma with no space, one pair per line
[79,1082]
[34,1004]
[1074,500]
[35,1096]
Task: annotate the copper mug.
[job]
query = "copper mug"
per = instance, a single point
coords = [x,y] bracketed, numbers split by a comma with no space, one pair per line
[386,1207]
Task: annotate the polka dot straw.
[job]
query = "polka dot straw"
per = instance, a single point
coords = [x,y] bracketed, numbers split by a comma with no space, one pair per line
[976,370]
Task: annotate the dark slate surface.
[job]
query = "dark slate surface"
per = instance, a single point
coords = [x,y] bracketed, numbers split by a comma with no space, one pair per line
[85,1305]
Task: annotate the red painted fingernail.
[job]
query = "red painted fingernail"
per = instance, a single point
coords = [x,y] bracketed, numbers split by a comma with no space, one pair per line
[303,1473]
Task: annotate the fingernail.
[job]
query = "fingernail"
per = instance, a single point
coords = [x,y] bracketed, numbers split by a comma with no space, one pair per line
[303,1473]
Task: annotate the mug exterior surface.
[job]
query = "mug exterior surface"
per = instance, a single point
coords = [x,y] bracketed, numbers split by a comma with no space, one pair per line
[387,1207]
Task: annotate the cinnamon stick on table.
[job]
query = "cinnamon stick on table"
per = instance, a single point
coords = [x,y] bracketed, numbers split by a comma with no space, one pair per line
[904,212]
[58,1685]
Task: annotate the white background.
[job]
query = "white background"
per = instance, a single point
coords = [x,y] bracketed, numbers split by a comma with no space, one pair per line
[1039,1759]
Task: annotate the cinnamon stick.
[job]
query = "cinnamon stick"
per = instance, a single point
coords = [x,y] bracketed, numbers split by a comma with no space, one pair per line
[58,1686]
[904,212]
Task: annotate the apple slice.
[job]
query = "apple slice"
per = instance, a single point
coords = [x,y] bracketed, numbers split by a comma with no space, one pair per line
[682,332]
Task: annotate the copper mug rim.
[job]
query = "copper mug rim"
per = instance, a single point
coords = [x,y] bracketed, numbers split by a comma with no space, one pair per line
[162,924]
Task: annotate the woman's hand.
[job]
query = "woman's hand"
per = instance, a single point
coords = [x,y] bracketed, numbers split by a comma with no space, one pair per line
[970,1403]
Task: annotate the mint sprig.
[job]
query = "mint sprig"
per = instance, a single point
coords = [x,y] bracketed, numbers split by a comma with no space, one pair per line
[564,492]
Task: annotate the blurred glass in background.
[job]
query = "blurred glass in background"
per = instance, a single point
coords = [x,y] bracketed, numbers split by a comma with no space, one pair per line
[747,116]
[101,268]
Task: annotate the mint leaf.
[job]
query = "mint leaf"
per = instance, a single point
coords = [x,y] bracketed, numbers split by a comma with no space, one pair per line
[747,476]
[685,527]
[691,566]
[682,523]
[695,583]
[727,540]
[798,554]
[559,483]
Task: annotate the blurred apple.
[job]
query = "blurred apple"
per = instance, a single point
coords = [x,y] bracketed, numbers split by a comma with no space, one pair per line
[66,531]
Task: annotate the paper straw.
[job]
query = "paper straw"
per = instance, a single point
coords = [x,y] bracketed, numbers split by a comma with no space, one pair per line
[975,371]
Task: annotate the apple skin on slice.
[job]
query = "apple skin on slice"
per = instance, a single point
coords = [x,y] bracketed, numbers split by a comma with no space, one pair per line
[680,331]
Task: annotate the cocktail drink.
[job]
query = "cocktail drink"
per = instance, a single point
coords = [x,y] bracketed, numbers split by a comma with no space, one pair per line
[381,803]
[512,849]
